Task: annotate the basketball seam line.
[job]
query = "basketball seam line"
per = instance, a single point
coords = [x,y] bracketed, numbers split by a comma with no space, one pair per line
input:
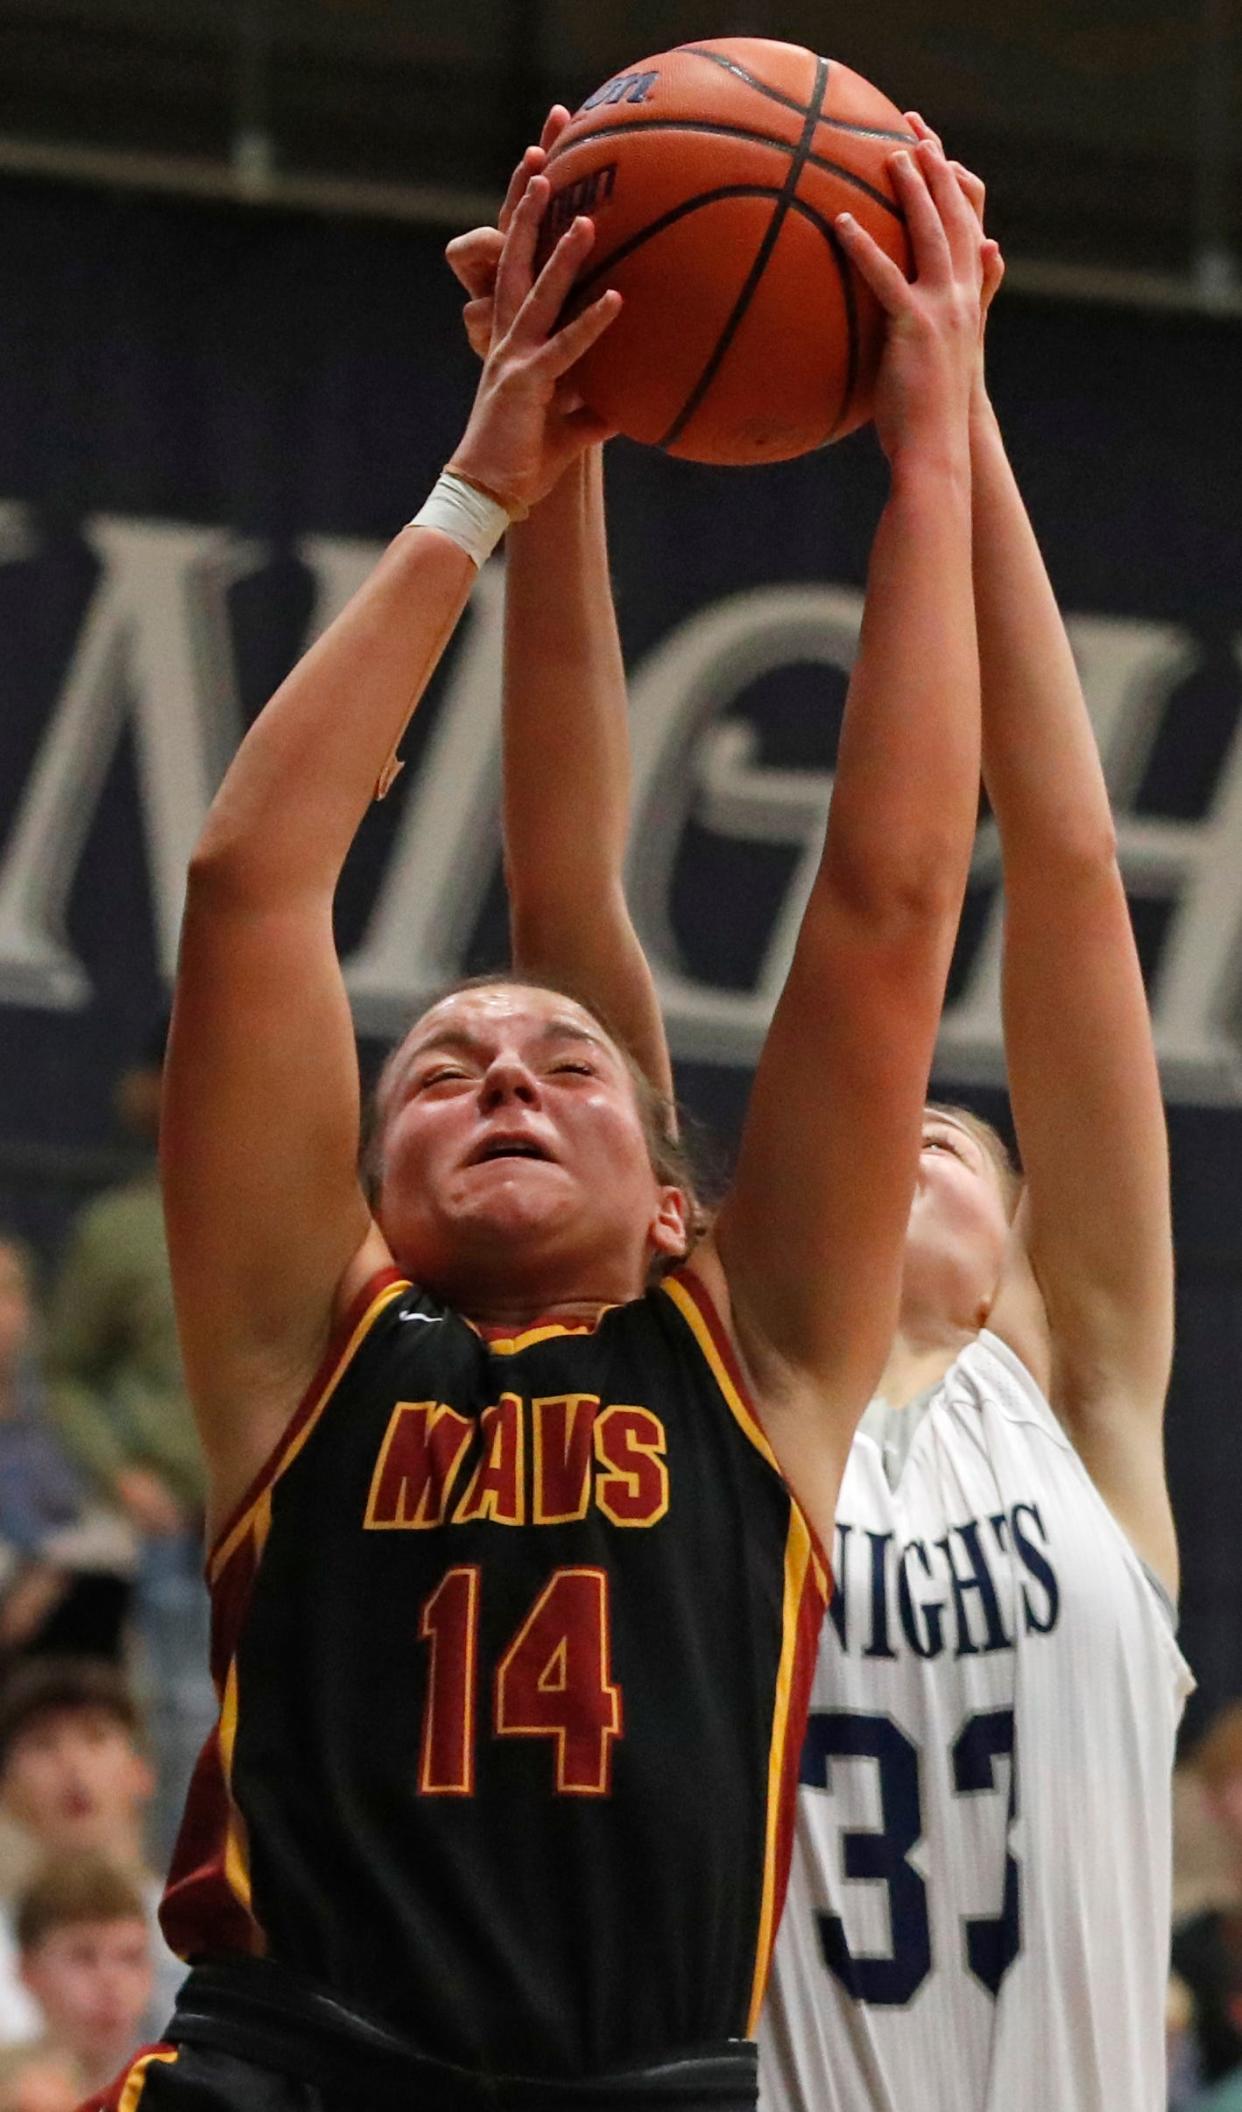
[692,205]
[846,277]
[789,102]
[762,258]
[764,139]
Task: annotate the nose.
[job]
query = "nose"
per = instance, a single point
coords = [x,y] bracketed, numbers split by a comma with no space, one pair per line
[508,1080]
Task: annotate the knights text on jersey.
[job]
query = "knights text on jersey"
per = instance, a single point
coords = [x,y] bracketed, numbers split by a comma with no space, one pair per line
[977,1917]
[513,1644]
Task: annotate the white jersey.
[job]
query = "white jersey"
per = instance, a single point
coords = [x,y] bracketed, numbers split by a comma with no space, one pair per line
[978,1909]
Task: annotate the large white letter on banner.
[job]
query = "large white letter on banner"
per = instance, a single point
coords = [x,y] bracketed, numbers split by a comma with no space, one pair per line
[449,838]
[154,646]
[679,760]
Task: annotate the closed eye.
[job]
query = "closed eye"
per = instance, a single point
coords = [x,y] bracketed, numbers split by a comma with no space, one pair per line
[580,1070]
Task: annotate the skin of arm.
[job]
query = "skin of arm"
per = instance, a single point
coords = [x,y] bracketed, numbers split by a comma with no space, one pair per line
[808,1246]
[269,1232]
[1087,1297]
[1082,1071]
[567,768]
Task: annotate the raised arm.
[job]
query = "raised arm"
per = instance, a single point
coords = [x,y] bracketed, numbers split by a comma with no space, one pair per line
[567,768]
[811,1237]
[566,721]
[1082,1070]
[269,1232]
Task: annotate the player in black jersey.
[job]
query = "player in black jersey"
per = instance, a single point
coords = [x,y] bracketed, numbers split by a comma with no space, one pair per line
[514,1602]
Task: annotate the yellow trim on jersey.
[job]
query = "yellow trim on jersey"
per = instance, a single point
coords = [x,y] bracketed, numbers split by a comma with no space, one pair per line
[688,1307]
[236,1845]
[509,1345]
[798,1556]
[286,1458]
[136,2080]
[742,1413]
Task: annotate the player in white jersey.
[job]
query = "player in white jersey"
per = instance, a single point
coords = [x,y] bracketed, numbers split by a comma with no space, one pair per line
[978,1912]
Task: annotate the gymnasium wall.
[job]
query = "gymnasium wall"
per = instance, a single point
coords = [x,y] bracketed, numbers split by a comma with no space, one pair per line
[210,421]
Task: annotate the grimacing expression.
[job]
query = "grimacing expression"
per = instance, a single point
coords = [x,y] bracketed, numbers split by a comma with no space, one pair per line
[510,1134]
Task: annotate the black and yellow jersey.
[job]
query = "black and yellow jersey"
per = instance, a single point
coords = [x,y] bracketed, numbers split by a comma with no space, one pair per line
[512,1641]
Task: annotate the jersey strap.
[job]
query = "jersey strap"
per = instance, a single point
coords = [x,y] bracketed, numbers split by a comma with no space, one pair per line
[347,1339]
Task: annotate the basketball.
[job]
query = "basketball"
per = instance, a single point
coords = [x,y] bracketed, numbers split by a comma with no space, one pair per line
[713,174]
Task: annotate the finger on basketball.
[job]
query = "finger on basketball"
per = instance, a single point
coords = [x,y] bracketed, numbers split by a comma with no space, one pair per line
[530,165]
[972,187]
[929,238]
[993,273]
[472,258]
[548,295]
[479,318]
[513,276]
[553,126]
[887,282]
[954,211]
[568,346]
[922,130]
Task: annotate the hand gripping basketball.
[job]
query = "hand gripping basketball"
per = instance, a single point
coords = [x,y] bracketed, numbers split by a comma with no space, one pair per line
[474,258]
[521,436]
[974,190]
[934,321]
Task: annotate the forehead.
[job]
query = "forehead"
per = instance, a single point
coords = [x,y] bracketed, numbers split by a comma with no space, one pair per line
[517,1011]
[87,1720]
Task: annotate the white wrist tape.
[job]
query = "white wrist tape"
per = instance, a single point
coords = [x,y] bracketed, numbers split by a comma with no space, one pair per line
[466,515]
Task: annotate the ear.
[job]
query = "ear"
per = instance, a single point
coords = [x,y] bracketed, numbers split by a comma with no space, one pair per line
[669,1230]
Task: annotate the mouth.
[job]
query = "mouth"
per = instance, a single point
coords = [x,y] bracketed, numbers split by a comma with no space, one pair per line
[508,1147]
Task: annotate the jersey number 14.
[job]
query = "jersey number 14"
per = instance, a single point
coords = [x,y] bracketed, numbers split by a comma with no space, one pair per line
[553,1681]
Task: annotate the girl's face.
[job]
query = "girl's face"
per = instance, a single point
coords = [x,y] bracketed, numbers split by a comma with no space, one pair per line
[959,1226]
[513,1152]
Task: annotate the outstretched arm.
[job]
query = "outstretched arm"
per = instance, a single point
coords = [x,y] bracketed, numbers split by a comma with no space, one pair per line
[811,1238]
[566,720]
[269,1232]
[1082,1070]
[567,768]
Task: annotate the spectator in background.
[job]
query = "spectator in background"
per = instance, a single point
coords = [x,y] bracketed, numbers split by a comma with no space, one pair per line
[39,2078]
[65,1560]
[86,1958]
[1207,1946]
[116,1390]
[74,1778]
[1218,2007]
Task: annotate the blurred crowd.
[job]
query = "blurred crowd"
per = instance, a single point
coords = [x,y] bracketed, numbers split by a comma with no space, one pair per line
[105,1698]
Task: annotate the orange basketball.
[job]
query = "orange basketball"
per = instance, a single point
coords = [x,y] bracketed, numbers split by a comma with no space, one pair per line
[713,174]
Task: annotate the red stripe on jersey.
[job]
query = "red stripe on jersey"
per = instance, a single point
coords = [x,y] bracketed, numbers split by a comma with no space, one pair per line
[200,1910]
[306,1406]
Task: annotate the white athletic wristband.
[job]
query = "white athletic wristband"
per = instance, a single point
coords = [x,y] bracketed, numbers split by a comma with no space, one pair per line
[465,514]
